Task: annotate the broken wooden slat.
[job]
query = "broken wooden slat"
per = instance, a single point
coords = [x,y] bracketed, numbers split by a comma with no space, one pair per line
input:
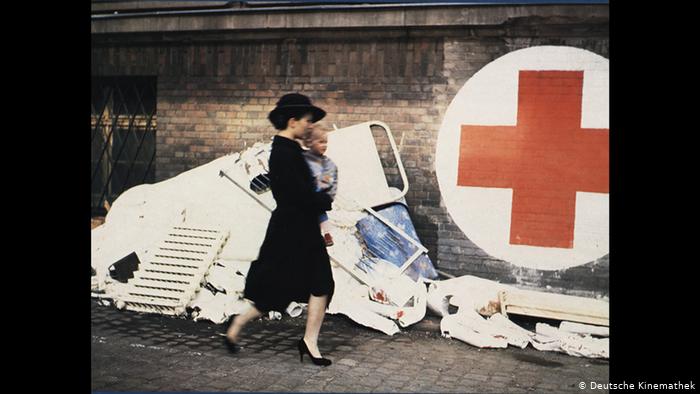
[177,267]
[584,329]
[168,277]
[555,306]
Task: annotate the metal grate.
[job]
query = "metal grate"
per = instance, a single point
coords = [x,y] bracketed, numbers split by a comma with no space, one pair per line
[123,126]
[173,272]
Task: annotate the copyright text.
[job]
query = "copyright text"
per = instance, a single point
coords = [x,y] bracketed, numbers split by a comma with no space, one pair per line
[637,386]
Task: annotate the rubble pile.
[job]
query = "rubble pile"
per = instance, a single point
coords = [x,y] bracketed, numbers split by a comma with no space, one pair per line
[383,278]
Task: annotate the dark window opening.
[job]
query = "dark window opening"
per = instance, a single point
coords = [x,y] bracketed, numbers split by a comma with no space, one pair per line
[123,126]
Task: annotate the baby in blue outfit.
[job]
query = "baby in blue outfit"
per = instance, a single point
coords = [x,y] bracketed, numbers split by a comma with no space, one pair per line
[324,172]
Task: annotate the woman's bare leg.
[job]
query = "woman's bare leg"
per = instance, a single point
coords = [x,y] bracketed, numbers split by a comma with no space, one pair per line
[314,319]
[239,321]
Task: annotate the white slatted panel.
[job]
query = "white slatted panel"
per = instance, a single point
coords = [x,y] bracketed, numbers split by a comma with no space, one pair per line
[172,273]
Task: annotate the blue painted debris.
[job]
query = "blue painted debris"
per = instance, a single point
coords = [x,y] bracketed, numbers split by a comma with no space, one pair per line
[387,244]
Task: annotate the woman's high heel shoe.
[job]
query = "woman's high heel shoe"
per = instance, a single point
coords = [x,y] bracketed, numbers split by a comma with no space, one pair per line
[305,349]
[232,347]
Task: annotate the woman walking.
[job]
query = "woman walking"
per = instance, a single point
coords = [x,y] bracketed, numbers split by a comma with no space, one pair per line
[293,263]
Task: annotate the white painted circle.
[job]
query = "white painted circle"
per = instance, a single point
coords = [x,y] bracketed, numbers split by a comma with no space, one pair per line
[490,98]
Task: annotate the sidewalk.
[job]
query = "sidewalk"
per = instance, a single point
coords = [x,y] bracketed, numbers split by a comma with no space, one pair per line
[144,352]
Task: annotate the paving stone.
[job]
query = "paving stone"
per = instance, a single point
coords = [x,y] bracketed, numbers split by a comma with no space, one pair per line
[141,352]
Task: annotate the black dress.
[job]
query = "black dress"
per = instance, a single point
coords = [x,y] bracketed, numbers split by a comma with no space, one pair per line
[293,261]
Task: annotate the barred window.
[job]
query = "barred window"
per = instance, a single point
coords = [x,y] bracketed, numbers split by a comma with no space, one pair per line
[123,125]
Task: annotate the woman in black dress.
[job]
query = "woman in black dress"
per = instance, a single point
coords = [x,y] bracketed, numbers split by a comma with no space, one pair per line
[293,263]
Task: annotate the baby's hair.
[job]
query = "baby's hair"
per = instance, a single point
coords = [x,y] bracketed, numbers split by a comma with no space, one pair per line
[315,134]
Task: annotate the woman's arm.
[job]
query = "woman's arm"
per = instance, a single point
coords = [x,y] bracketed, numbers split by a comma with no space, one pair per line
[291,182]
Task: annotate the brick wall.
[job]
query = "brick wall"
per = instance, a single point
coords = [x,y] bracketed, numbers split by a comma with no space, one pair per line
[213,99]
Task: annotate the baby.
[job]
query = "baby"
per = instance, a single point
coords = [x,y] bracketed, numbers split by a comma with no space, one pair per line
[324,172]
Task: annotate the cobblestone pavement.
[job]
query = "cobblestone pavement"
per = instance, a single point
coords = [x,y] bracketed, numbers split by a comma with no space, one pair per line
[149,352]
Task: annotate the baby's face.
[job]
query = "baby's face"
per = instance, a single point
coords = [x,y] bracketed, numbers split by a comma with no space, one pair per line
[319,145]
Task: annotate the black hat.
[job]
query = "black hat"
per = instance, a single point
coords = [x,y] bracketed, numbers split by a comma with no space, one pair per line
[294,104]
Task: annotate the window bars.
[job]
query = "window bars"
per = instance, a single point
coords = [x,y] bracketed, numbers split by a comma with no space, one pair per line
[123,127]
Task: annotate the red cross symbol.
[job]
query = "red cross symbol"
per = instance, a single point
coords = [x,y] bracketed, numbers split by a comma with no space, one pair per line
[546,158]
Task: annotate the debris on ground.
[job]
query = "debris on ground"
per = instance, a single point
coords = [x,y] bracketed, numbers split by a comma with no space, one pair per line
[383,275]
